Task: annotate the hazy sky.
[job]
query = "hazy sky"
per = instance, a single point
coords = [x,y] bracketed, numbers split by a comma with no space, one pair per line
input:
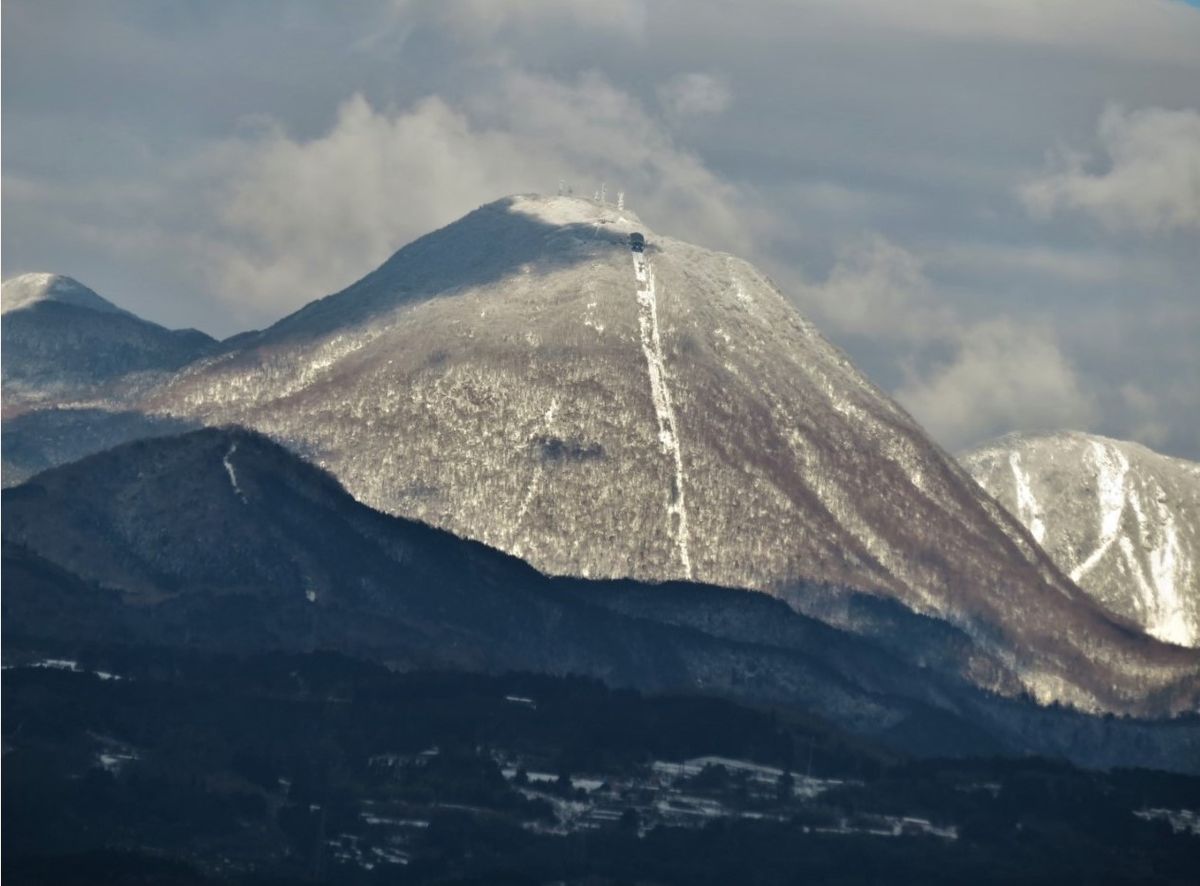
[992,205]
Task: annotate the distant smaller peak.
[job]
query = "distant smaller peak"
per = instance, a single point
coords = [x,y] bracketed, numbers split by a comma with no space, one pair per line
[1029,442]
[29,289]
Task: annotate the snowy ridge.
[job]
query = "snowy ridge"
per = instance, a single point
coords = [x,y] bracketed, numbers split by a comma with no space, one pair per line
[660,393]
[1122,521]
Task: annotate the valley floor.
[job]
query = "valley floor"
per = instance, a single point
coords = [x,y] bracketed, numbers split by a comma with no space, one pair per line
[142,765]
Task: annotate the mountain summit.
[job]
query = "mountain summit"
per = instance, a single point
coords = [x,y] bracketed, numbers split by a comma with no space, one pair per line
[63,342]
[525,378]
[26,290]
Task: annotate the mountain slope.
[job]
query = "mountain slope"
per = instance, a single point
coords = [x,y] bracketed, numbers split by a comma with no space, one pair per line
[524,379]
[220,540]
[225,538]
[34,440]
[62,341]
[1120,519]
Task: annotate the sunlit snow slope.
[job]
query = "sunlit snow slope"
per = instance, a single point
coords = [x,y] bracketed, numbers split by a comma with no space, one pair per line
[1121,520]
[521,378]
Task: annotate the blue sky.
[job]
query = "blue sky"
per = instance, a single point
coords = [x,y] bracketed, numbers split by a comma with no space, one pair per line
[988,210]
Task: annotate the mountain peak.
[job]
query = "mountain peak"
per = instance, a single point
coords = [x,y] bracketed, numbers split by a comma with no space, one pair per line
[1117,517]
[1060,436]
[63,343]
[30,289]
[528,377]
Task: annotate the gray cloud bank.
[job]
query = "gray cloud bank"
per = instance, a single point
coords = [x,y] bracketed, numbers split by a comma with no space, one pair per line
[994,211]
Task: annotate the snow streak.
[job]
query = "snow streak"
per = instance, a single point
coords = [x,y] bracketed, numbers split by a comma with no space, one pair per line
[660,393]
[1166,617]
[1171,622]
[1111,470]
[1028,509]
[233,474]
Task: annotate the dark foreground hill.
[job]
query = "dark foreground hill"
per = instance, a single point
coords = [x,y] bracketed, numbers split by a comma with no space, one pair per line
[222,541]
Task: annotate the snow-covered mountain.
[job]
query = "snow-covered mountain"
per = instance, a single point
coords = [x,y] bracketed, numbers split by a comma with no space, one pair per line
[1121,520]
[62,341]
[521,377]
[524,378]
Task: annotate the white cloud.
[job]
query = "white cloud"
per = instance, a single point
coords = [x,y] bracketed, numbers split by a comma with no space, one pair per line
[1148,180]
[302,218]
[1004,376]
[269,221]
[965,379]
[879,290]
[913,120]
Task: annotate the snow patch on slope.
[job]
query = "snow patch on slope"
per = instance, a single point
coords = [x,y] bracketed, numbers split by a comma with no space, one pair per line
[1111,469]
[233,481]
[1028,509]
[1168,563]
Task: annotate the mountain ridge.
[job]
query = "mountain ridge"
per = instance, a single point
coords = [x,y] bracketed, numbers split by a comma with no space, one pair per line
[523,378]
[219,539]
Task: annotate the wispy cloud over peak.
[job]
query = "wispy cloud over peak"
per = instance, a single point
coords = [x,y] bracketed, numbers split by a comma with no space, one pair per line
[1146,176]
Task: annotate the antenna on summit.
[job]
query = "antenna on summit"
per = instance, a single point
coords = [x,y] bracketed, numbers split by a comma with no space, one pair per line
[603,189]
[620,200]
[562,186]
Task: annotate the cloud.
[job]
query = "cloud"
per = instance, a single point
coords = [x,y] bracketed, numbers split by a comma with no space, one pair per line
[1004,375]
[965,379]
[688,95]
[1148,179]
[879,290]
[781,132]
[269,221]
[303,217]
